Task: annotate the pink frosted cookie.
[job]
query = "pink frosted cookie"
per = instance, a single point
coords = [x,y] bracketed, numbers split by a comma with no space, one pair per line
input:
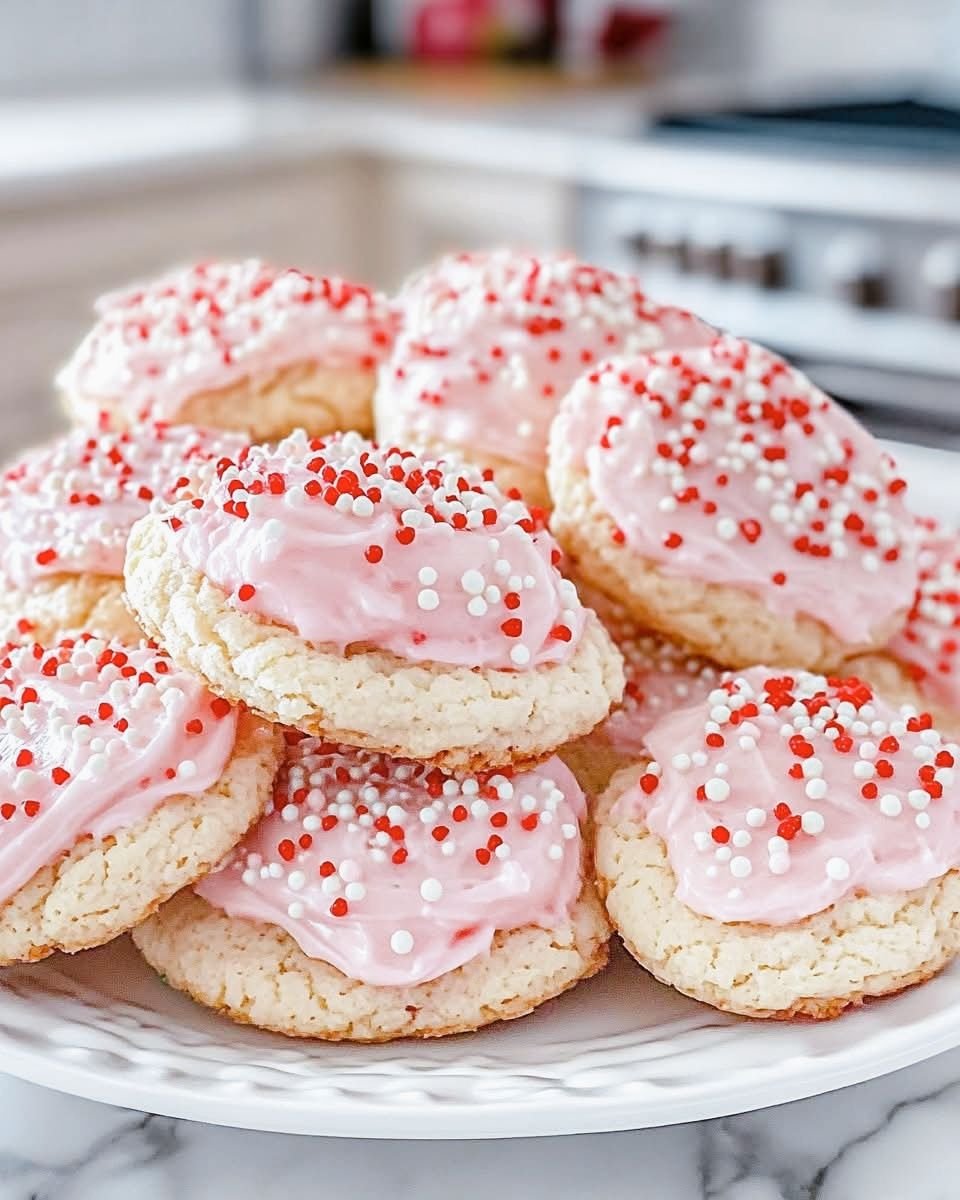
[377,599]
[733,506]
[492,342]
[243,346]
[66,509]
[660,676]
[395,899]
[792,849]
[122,779]
[922,662]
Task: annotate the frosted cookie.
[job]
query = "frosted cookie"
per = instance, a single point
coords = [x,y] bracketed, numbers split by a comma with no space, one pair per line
[383,899]
[377,599]
[122,780]
[66,509]
[491,343]
[792,849]
[732,506]
[243,346]
[660,676]
[921,663]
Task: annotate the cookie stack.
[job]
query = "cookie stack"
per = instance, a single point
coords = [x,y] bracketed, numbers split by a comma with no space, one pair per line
[785,841]
[773,840]
[420,870]
[348,788]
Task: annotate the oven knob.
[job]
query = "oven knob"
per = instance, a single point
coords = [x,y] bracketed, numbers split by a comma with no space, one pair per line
[941,274]
[764,267]
[854,266]
[709,251]
[666,241]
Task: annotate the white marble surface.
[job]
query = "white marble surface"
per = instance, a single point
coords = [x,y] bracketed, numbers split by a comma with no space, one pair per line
[891,1139]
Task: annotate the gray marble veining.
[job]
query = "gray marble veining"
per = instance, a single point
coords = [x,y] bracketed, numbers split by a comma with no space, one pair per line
[891,1139]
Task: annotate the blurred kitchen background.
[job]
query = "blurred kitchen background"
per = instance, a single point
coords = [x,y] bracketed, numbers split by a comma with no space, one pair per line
[788,168]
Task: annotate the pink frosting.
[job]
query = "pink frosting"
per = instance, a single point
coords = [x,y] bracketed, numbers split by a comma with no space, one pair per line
[347,543]
[929,644]
[94,736]
[396,873]
[780,795]
[492,342]
[727,465]
[211,325]
[68,506]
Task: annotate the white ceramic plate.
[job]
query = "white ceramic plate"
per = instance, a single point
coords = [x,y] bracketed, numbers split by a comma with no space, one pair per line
[620,1052]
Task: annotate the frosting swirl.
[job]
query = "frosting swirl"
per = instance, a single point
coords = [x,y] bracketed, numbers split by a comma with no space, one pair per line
[397,873]
[781,795]
[491,343]
[349,543]
[210,325]
[94,736]
[68,506]
[727,465]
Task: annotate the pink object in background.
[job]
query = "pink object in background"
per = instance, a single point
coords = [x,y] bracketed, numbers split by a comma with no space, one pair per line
[461,30]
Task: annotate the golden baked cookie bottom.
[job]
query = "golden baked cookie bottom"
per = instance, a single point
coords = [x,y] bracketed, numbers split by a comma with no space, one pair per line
[267,407]
[257,974]
[65,605]
[104,887]
[862,947]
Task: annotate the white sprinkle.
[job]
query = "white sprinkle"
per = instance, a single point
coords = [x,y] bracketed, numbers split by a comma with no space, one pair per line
[472,582]
[428,600]
[741,838]
[401,941]
[890,805]
[716,789]
[296,880]
[682,762]
[349,870]
[427,575]
[740,867]
[295,910]
[812,822]
[838,869]
[922,820]
[756,817]
[520,656]
[726,529]
[477,607]
[355,891]
[431,890]
[816,789]
[289,812]
[555,851]
[779,864]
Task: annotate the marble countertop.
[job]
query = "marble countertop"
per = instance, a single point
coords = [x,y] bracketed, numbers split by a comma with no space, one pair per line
[890,1139]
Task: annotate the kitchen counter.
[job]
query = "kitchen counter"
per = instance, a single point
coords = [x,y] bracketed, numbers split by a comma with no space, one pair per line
[49,149]
[890,1139]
